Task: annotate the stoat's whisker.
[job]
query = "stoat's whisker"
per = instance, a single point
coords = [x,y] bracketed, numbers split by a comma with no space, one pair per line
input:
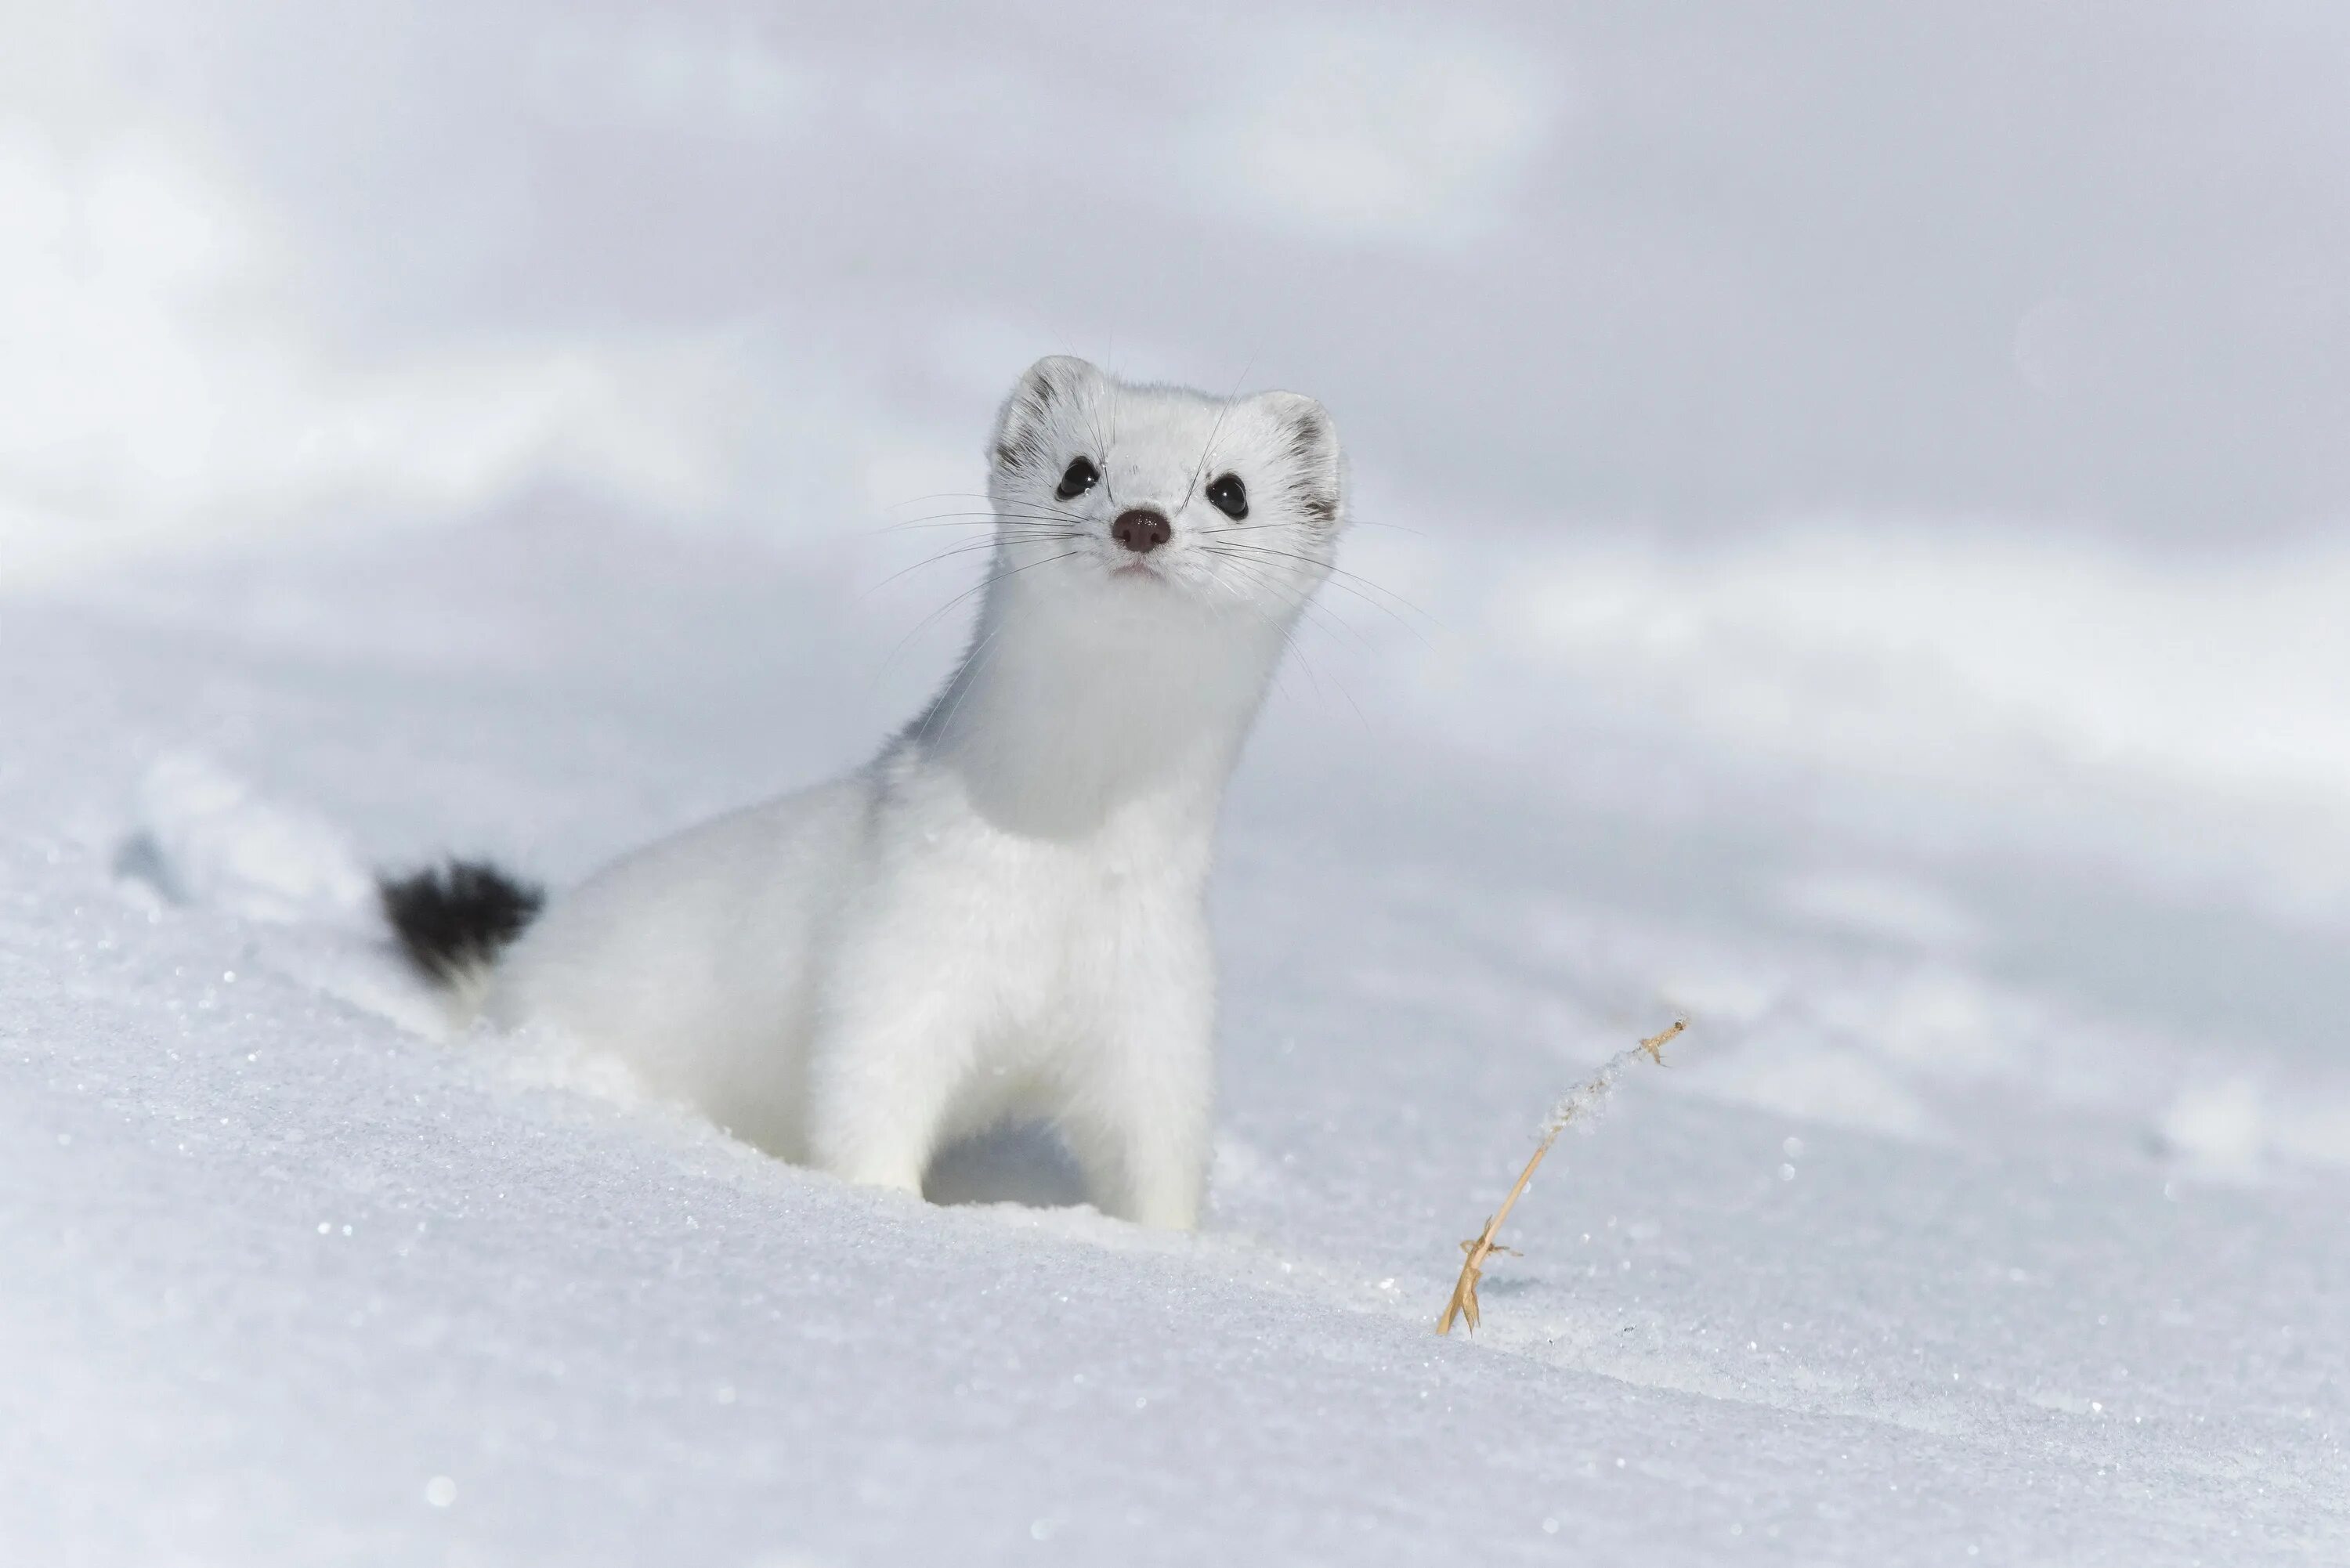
[982,520]
[982,495]
[1348,586]
[1308,610]
[1200,464]
[931,560]
[984,583]
[1263,573]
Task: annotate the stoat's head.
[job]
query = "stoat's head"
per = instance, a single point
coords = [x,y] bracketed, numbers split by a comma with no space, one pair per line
[1156,496]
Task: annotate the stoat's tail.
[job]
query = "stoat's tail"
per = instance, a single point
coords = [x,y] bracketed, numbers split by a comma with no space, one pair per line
[454,920]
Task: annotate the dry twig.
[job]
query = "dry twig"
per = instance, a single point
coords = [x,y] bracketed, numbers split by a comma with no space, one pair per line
[1579,1100]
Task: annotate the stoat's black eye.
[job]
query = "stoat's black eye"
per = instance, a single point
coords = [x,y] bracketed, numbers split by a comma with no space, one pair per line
[1081,476]
[1230,496]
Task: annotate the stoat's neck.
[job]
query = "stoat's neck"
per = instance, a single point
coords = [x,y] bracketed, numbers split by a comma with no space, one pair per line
[1068,714]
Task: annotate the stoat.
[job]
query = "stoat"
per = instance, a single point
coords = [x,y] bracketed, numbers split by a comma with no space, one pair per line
[1002,915]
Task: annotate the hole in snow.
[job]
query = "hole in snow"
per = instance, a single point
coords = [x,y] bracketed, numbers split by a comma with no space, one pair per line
[1012,1165]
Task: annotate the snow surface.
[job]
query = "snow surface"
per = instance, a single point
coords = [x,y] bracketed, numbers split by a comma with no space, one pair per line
[1850,552]
[1912,1256]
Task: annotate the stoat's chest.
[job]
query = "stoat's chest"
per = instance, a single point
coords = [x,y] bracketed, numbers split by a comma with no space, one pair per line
[1046,928]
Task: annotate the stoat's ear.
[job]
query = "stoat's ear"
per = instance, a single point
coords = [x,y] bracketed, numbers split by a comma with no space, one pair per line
[1310,441]
[1036,398]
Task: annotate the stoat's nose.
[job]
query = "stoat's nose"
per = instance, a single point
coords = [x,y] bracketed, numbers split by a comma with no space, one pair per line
[1141,530]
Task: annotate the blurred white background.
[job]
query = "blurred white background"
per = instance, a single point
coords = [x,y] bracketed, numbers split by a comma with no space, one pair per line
[2071,268]
[1915,439]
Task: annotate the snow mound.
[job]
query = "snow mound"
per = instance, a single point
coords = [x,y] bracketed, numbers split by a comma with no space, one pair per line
[206,837]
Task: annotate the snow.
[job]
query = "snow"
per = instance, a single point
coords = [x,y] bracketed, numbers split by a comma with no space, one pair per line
[1896,1261]
[1970,785]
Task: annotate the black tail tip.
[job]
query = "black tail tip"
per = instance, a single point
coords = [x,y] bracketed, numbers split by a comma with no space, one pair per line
[459,916]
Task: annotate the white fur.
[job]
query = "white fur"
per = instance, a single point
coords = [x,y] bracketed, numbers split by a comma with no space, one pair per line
[1002,915]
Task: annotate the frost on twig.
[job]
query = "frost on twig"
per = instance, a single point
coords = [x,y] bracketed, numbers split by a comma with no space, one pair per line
[1576,1102]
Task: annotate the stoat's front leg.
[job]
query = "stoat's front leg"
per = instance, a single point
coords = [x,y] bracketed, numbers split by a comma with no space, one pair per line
[893,1043]
[1141,1089]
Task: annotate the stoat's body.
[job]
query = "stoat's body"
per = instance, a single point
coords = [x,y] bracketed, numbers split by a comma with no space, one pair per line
[1002,915]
